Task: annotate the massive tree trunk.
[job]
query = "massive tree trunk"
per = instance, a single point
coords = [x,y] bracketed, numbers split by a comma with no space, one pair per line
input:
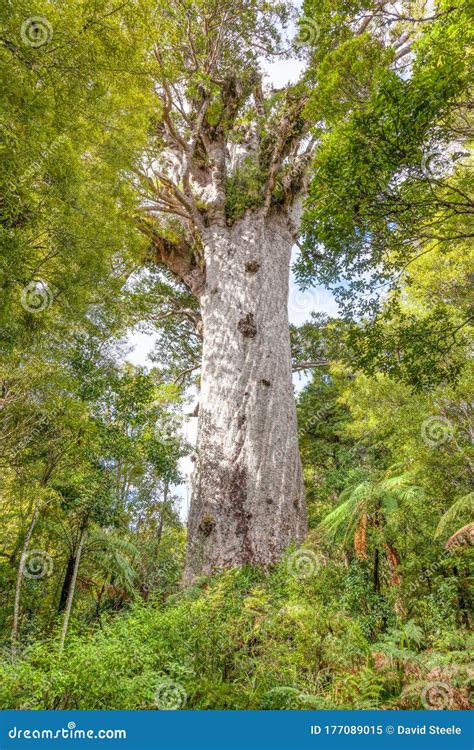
[227,140]
[248,499]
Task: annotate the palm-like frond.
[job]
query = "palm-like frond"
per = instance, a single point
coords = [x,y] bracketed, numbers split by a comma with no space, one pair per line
[460,513]
[359,501]
[462,536]
[400,488]
[100,539]
[346,516]
[114,556]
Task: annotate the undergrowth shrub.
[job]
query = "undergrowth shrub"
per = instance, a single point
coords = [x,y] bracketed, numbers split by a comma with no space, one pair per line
[242,640]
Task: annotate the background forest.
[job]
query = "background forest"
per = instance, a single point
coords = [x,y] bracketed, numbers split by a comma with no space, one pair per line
[375,609]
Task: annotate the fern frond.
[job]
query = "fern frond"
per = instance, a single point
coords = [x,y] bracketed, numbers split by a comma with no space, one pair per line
[337,519]
[460,513]
[402,487]
[346,516]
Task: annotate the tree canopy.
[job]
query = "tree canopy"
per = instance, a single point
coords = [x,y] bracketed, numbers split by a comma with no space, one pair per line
[132,135]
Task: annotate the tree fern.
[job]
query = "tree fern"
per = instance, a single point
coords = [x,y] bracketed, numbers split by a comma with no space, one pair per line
[114,557]
[346,516]
[363,499]
[460,513]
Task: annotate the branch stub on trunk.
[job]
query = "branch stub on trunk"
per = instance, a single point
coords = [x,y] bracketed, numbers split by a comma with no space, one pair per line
[247,327]
[252,266]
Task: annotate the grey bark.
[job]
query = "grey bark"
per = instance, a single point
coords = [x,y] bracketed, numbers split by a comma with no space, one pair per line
[248,500]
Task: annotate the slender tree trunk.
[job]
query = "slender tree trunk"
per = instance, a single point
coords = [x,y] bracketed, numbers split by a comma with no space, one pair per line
[376,570]
[99,602]
[393,564]
[464,608]
[19,578]
[395,579]
[48,470]
[72,587]
[66,583]
[164,505]
[248,500]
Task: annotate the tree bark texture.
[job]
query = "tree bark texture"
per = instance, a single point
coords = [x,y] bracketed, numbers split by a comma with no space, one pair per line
[248,501]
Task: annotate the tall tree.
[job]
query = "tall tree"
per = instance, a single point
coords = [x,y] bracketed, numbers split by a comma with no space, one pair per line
[229,174]
[223,186]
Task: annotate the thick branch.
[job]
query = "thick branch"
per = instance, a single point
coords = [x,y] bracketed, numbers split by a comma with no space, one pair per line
[181,260]
[285,137]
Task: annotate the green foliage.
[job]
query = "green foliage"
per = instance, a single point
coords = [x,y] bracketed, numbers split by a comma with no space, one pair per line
[461,511]
[91,445]
[243,640]
[71,131]
[390,188]
[244,189]
[227,646]
[369,166]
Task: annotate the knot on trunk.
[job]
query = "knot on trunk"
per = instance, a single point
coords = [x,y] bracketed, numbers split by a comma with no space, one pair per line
[247,327]
[252,266]
[207,525]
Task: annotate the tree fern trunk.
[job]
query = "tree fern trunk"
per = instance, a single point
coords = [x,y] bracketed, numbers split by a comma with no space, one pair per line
[71,562]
